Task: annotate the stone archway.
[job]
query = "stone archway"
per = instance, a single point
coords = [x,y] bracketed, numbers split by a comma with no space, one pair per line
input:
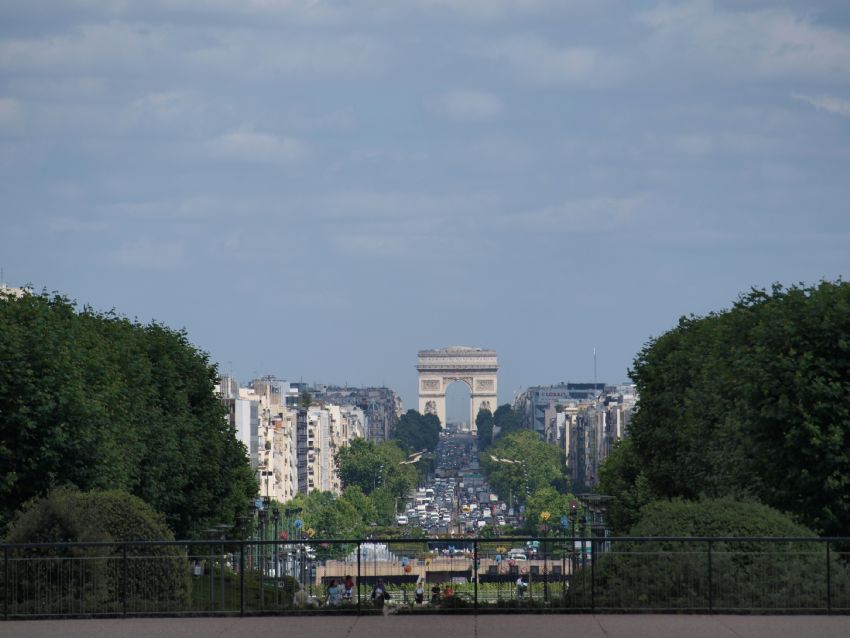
[439,368]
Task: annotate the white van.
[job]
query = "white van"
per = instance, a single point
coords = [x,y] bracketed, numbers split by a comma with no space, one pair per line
[401,519]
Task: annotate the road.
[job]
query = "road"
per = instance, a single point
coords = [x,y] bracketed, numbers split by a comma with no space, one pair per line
[443,626]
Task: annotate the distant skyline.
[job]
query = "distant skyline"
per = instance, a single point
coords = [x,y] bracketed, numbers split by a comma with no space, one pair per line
[318,189]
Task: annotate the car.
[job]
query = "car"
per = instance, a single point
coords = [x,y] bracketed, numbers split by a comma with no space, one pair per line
[517,554]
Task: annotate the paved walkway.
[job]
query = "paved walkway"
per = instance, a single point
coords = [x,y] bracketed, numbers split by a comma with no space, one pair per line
[515,626]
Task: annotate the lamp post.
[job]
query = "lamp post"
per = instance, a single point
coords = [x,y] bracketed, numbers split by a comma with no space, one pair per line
[573,518]
[276,552]
[544,529]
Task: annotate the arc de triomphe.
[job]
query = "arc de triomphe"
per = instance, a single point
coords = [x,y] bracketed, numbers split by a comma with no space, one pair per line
[476,367]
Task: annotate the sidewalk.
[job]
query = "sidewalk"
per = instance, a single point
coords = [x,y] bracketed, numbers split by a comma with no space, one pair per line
[514,626]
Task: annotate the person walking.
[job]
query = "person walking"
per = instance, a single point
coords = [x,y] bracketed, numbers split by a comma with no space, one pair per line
[348,589]
[419,593]
[521,586]
[435,594]
[334,594]
[379,594]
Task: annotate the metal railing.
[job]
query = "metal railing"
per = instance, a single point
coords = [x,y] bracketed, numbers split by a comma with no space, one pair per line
[516,574]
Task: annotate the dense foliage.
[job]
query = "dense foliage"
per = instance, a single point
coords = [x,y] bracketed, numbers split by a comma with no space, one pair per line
[484,426]
[748,574]
[506,420]
[749,402]
[97,401]
[415,432]
[537,465]
[374,466]
[66,515]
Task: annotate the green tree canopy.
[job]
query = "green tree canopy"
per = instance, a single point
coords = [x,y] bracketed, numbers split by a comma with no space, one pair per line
[507,420]
[97,401]
[537,465]
[484,425]
[415,432]
[749,402]
[370,465]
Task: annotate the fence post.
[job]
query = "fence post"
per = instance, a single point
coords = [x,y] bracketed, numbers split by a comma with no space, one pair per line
[242,577]
[710,583]
[592,575]
[475,570]
[358,579]
[5,583]
[124,577]
[828,580]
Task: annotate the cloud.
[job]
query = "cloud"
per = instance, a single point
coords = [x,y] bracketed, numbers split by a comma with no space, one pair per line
[538,61]
[589,215]
[827,103]
[468,104]
[161,107]
[148,253]
[250,146]
[765,43]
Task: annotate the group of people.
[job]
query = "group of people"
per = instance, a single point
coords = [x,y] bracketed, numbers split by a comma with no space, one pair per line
[340,592]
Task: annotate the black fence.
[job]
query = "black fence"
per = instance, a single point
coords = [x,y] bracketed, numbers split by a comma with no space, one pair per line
[231,577]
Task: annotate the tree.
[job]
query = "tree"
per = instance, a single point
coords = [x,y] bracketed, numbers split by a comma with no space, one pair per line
[305,400]
[750,402]
[369,466]
[535,465]
[94,400]
[484,426]
[415,432]
[507,420]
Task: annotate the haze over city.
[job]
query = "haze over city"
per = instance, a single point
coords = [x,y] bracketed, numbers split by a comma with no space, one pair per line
[317,190]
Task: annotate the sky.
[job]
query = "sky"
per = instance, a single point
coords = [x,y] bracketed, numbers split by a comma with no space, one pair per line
[318,189]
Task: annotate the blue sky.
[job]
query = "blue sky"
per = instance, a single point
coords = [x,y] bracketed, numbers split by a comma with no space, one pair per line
[319,189]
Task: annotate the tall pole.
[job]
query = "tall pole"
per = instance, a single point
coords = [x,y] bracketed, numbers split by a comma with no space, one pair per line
[358,578]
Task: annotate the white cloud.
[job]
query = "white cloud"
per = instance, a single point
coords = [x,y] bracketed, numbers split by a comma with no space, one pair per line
[538,61]
[589,215]
[769,43]
[468,104]
[160,107]
[827,103]
[250,146]
[148,253]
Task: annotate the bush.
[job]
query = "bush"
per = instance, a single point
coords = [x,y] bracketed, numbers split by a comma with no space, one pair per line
[745,574]
[80,579]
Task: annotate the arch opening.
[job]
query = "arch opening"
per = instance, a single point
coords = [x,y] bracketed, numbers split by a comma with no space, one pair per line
[458,396]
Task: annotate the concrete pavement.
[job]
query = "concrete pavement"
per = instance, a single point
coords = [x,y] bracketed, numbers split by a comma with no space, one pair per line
[484,626]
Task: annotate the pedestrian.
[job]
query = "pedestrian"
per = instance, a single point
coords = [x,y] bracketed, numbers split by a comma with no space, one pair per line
[379,594]
[448,592]
[419,593]
[348,589]
[435,594]
[334,594]
[521,586]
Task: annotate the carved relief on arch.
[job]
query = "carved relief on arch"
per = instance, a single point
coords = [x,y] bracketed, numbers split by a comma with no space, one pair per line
[430,407]
[484,384]
[431,384]
[485,405]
